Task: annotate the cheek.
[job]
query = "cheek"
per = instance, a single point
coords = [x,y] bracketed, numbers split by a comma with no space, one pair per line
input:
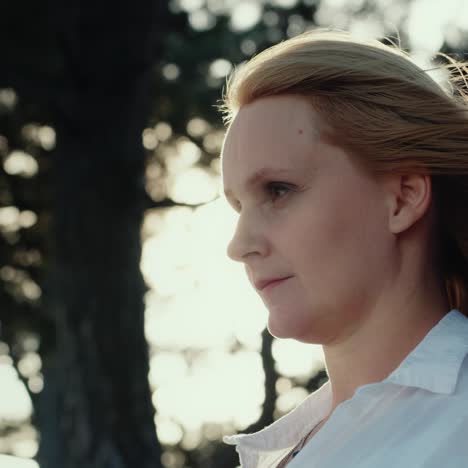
[340,235]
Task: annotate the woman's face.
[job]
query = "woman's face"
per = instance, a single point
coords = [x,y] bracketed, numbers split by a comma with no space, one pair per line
[309,214]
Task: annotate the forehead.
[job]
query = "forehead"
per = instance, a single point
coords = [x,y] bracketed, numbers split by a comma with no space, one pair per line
[273,118]
[279,132]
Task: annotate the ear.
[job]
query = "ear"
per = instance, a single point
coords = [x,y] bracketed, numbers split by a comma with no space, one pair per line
[409,198]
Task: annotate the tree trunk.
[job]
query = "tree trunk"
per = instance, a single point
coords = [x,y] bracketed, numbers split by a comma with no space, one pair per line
[95,410]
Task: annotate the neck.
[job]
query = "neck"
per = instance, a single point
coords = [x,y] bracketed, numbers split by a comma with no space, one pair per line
[381,342]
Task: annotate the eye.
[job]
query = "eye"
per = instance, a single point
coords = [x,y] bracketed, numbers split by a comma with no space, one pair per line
[274,187]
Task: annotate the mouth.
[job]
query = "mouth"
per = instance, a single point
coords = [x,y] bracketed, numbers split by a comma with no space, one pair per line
[270,284]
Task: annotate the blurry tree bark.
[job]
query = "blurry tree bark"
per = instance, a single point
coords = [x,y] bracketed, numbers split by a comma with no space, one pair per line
[95,410]
[271,377]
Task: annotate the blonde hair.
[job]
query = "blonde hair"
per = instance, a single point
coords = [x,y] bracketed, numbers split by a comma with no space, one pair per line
[385,111]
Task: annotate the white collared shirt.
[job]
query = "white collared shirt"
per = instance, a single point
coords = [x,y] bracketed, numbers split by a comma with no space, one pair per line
[417,417]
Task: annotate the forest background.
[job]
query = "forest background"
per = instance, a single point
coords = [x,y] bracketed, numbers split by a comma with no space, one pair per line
[127,337]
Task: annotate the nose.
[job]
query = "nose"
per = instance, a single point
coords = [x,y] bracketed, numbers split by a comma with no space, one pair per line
[247,240]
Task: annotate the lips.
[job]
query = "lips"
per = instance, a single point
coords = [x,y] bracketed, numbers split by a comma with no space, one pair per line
[262,284]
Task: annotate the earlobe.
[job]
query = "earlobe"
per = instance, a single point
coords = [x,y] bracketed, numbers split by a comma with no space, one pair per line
[410,198]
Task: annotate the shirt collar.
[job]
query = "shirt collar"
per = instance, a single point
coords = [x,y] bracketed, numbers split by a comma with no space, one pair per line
[285,431]
[434,365]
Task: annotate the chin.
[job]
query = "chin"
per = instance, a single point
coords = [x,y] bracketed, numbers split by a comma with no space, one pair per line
[284,329]
[299,330]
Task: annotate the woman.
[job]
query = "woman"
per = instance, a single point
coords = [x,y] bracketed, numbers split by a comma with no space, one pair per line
[348,167]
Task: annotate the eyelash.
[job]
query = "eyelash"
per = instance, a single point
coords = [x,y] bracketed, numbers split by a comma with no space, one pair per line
[267,187]
[276,185]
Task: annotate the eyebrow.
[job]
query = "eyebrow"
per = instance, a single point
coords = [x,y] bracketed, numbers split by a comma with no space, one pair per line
[259,176]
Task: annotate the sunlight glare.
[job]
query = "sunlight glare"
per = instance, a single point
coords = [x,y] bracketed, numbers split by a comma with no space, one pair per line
[194,185]
[289,399]
[31,289]
[9,216]
[167,278]
[189,321]
[333,13]
[440,76]
[213,141]
[163,131]
[169,432]
[46,137]
[284,3]
[171,71]
[221,7]
[427,21]
[8,98]
[36,383]
[295,359]
[15,403]
[366,28]
[219,68]
[352,5]
[27,218]
[24,443]
[186,154]
[461,16]
[216,378]
[150,140]
[245,15]
[166,367]
[20,163]
[191,5]
[283,384]
[197,127]
[29,364]
[191,439]
[201,20]
[7,461]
